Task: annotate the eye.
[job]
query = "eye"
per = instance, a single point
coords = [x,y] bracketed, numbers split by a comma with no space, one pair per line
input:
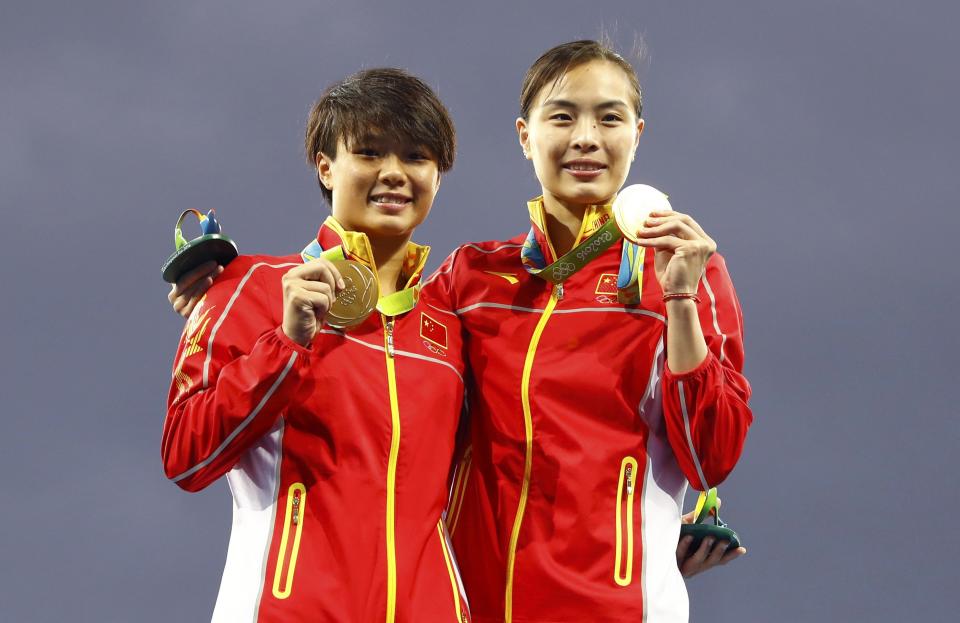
[418,156]
[612,118]
[561,116]
[366,152]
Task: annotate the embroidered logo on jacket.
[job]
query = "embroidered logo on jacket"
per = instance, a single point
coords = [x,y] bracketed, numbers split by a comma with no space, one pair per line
[607,284]
[510,277]
[192,334]
[433,331]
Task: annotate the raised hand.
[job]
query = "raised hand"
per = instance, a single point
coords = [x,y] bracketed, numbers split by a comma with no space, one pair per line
[682,249]
[308,292]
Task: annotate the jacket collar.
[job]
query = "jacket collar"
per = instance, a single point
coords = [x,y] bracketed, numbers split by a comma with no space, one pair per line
[356,246]
[593,219]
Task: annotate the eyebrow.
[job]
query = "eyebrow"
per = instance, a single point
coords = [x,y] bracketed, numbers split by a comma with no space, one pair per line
[560,103]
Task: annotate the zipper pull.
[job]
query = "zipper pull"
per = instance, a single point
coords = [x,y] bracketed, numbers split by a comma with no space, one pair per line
[296,508]
[629,479]
[558,292]
[390,337]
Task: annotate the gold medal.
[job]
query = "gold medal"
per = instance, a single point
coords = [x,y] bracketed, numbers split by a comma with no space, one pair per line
[633,206]
[358,299]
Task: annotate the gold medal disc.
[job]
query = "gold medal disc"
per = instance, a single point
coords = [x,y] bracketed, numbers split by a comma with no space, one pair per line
[633,206]
[358,299]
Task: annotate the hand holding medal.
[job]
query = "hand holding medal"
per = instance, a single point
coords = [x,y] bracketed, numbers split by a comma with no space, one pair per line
[328,288]
[646,218]
[309,292]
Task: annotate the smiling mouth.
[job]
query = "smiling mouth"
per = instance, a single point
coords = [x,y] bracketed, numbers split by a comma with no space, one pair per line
[584,169]
[390,200]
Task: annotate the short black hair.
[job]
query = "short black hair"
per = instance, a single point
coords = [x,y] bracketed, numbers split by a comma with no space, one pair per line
[381,101]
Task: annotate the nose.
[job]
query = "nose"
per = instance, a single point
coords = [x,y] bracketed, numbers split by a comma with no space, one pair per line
[585,135]
[392,172]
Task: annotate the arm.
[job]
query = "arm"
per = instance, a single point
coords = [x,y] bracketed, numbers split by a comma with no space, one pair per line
[705,407]
[704,391]
[234,375]
[238,366]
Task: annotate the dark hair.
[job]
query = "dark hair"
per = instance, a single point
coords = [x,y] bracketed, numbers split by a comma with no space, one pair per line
[382,100]
[557,61]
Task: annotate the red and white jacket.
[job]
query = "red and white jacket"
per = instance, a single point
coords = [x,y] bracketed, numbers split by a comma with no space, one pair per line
[567,504]
[337,455]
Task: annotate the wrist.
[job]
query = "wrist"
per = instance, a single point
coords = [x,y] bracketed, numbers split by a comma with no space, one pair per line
[295,336]
[681,295]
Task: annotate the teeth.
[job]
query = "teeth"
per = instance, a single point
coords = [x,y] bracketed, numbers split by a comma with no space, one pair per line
[583,167]
[386,199]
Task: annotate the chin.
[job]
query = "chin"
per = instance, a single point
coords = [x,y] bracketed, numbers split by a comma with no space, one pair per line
[589,195]
[391,227]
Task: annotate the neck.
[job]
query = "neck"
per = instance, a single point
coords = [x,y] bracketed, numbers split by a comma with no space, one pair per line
[389,254]
[564,220]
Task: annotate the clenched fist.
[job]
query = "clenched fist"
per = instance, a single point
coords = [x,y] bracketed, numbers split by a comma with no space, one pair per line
[308,292]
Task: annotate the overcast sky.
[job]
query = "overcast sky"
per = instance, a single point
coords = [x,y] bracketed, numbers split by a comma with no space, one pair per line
[815,141]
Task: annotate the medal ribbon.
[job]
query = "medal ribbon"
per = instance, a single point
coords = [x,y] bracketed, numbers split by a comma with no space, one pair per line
[629,277]
[574,260]
[395,304]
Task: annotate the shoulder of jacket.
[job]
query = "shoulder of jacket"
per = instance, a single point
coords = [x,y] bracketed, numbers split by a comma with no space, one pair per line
[251,271]
[487,247]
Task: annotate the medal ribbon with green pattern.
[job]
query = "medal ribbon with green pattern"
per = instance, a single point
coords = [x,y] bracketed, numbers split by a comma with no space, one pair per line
[390,305]
[629,277]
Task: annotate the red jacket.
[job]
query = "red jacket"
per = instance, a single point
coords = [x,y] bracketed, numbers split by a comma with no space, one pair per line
[567,505]
[336,455]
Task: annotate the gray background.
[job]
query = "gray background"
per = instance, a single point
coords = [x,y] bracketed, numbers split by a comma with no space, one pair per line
[816,141]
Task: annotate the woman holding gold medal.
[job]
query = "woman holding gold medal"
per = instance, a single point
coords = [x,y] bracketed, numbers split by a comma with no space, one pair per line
[299,379]
[600,382]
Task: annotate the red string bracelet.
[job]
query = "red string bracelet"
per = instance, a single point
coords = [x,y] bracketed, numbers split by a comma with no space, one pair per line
[681,295]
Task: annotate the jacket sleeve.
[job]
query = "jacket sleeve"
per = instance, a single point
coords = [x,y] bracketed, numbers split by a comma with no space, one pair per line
[706,410]
[234,374]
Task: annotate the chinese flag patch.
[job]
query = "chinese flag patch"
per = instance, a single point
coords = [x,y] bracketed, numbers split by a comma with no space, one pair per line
[607,284]
[433,330]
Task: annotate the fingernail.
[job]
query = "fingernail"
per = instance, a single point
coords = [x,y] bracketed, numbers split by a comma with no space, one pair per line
[341,283]
[709,541]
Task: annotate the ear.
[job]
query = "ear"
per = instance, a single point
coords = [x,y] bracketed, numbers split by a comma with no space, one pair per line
[523,134]
[636,141]
[324,170]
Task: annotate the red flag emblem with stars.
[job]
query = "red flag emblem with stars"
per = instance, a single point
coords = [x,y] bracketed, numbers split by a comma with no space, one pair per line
[607,284]
[433,330]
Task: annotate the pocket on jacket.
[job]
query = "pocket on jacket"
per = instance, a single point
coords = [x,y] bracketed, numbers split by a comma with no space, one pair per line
[290,540]
[626,487]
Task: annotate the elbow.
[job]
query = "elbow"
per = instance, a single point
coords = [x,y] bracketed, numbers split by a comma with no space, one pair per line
[723,457]
[176,469]
[183,479]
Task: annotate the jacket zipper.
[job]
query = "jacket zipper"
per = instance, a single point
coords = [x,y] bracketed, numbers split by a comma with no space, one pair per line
[555,297]
[623,566]
[289,548]
[391,470]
